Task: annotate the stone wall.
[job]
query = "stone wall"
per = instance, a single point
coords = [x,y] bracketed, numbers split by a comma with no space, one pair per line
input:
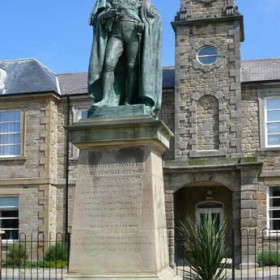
[32,163]
[252,120]
[220,80]
[29,210]
[251,133]
[167,115]
[196,9]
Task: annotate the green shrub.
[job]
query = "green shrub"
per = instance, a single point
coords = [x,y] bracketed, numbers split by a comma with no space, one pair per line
[54,264]
[16,255]
[57,252]
[204,248]
[268,258]
[40,264]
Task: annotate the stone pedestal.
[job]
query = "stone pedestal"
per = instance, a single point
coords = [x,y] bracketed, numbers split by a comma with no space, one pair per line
[119,224]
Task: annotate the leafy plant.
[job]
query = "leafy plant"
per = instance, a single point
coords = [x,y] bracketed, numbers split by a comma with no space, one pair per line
[35,264]
[55,264]
[57,252]
[268,258]
[16,255]
[204,248]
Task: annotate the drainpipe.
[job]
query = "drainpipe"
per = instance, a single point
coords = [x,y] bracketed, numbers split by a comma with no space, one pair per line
[67,168]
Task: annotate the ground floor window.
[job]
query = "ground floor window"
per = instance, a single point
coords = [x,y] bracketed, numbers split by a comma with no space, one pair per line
[9,221]
[273,205]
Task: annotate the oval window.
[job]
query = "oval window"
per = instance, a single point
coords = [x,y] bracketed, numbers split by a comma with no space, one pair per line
[207,55]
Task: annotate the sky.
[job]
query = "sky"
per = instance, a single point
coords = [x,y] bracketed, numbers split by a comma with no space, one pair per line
[57,33]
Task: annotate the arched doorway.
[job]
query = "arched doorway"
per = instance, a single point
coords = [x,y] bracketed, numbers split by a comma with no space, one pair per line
[199,201]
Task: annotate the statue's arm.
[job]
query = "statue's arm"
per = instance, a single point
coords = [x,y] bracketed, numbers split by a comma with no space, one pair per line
[92,18]
[100,7]
[151,10]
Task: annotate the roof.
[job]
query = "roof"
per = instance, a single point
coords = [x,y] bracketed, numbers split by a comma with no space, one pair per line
[252,71]
[73,83]
[31,76]
[26,76]
[76,83]
[260,70]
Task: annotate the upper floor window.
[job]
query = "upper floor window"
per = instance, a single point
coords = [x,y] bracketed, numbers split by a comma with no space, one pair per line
[207,55]
[273,205]
[10,133]
[272,121]
[82,114]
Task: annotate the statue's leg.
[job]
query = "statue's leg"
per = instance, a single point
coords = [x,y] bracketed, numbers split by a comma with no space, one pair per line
[132,48]
[113,52]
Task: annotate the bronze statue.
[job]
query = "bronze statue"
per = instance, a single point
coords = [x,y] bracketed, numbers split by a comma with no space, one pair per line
[125,65]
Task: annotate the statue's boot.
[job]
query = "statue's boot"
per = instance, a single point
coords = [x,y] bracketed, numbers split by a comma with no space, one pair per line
[109,98]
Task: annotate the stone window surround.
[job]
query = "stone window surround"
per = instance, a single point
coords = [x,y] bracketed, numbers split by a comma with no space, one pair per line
[23,130]
[262,95]
[270,232]
[12,208]
[200,57]
[204,43]
[76,109]
[194,153]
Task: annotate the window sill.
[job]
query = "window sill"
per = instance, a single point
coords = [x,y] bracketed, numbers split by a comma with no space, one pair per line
[205,153]
[20,158]
[269,149]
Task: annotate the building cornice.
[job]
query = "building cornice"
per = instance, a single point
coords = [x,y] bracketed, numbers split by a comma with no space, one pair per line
[203,21]
[27,95]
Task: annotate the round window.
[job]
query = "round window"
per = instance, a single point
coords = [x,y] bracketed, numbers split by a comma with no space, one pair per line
[207,55]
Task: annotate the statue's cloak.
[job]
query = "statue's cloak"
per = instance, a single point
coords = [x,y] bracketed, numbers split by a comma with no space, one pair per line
[150,72]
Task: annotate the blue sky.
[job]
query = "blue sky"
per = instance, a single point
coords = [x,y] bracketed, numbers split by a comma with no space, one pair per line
[57,33]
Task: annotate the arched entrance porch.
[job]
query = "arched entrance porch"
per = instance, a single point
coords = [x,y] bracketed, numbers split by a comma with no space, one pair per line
[201,200]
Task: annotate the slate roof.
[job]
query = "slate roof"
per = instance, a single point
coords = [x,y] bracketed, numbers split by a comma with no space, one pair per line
[30,76]
[260,70]
[73,83]
[76,83]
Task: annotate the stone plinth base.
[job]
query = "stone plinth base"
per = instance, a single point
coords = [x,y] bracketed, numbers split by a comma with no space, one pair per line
[119,221]
[166,274]
[106,112]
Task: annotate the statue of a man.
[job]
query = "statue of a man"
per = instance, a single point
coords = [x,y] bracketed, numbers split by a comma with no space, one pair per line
[125,65]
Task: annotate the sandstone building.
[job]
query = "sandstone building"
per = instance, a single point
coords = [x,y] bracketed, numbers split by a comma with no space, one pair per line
[225,114]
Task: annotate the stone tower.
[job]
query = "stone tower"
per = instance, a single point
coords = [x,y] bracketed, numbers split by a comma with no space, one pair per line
[208,88]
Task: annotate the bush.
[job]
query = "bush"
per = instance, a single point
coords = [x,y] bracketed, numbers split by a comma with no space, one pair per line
[16,255]
[57,252]
[268,258]
[204,248]
[54,264]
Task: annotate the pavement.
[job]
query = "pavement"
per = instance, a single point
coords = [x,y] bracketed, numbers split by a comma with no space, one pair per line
[266,273]
[260,273]
[33,274]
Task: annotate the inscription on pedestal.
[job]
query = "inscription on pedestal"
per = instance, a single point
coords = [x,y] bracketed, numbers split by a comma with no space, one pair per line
[111,204]
[104,200]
